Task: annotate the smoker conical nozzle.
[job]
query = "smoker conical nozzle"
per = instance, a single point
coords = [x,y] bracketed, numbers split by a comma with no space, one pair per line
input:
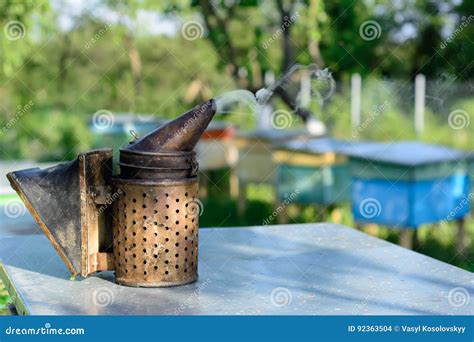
[181,134]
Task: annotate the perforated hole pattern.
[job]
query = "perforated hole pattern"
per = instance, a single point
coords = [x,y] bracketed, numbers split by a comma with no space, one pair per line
[155,234]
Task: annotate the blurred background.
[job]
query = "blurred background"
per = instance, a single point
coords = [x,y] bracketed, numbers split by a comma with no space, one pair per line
[76,75]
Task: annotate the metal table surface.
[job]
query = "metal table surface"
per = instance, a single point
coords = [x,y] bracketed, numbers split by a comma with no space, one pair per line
[314,269]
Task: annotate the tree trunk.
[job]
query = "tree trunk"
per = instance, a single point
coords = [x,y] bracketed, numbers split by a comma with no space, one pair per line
[313,41]
[62,69]
[135,64]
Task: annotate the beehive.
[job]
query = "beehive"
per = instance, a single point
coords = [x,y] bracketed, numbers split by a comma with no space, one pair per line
[407,184]
[313,171]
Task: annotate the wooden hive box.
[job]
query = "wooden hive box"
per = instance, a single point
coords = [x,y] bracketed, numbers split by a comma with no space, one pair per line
[255,163]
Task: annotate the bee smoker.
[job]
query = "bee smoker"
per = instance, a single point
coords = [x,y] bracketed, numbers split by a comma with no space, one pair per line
[142,223]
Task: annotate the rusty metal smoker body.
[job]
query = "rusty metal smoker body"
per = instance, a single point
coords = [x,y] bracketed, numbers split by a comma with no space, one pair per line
[142,223]
[155,232]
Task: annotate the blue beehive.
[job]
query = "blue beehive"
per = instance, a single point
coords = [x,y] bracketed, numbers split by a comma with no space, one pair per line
[407,184]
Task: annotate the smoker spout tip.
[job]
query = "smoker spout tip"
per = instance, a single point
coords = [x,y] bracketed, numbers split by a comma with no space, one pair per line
[209,107]
[212,104]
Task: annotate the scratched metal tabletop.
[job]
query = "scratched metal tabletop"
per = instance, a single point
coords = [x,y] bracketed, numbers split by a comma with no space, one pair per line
[310,269]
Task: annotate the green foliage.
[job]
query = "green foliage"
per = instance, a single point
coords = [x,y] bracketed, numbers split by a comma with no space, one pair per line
[3,299]
[387,115]
[46,136]
[70,74]
[17,20]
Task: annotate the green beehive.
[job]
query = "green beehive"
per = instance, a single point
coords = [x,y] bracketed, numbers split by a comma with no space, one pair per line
[312,172]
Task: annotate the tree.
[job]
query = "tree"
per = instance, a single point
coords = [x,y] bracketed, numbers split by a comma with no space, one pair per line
[254,37]
[16,20]
[248,61]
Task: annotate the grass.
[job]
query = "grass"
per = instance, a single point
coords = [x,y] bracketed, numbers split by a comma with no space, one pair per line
[4,199]
[3,299]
